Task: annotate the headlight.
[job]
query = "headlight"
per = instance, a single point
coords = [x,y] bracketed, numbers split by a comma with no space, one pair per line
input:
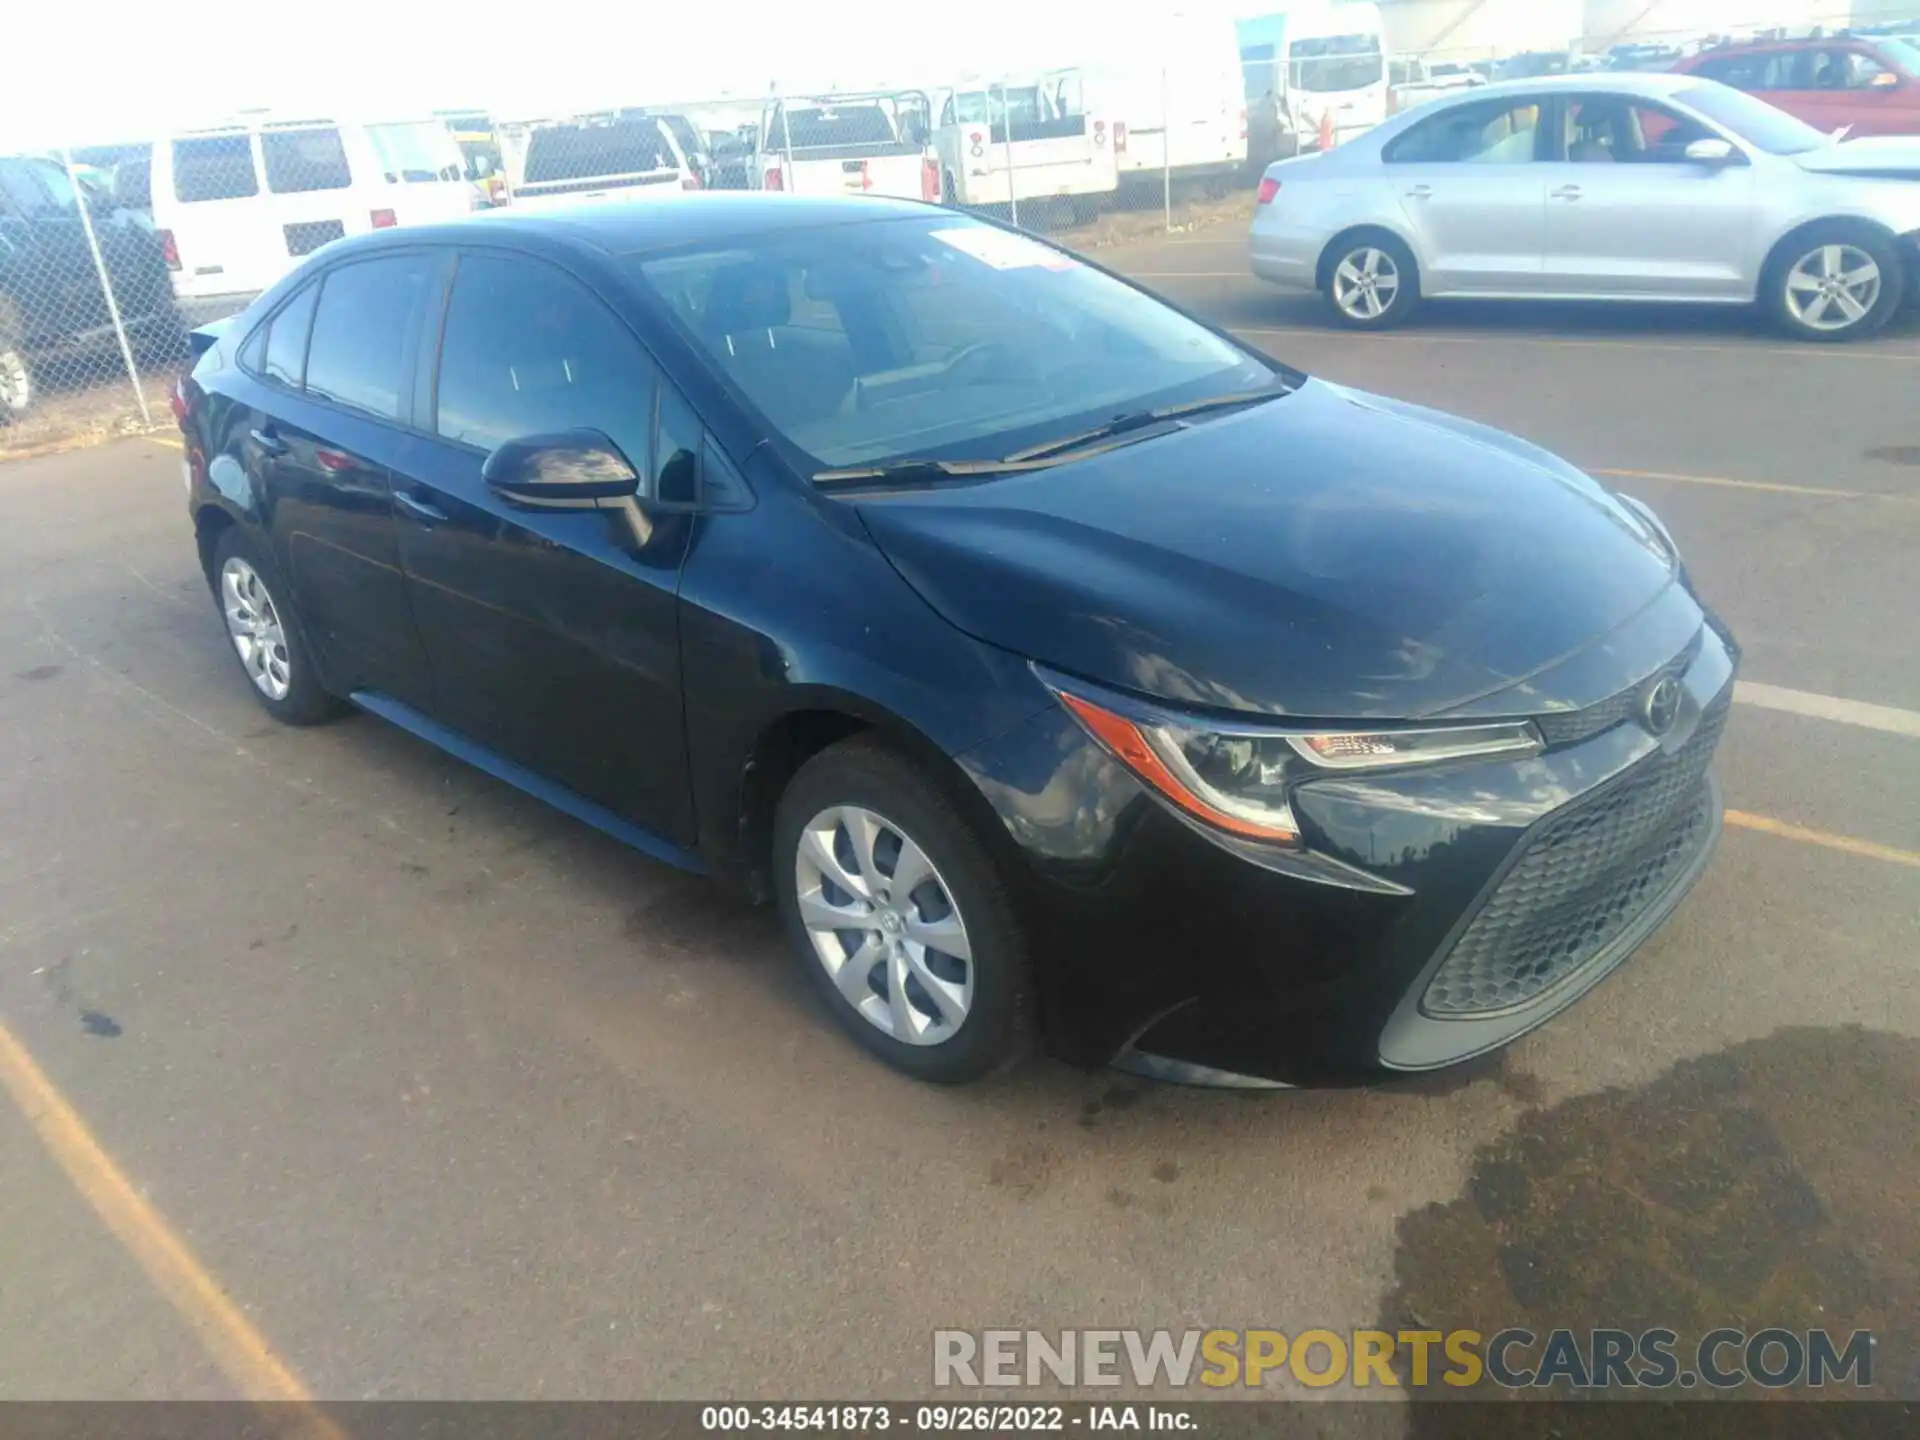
[1239,779]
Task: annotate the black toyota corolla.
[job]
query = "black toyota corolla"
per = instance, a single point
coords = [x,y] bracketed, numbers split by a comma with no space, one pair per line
[1059,665]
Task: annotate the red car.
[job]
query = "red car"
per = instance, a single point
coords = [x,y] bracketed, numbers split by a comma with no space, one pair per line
[1871,85]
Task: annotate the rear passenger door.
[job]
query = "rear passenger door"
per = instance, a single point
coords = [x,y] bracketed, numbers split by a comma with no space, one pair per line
[1473,197]
[334,371]
[554,634]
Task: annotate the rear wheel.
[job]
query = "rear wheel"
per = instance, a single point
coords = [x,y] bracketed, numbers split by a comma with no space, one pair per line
[1371,281]
[265,633]
[898,916]
[1835,281]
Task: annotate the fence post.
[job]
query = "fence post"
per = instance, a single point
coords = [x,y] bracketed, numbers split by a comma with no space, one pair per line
[106,284]
[1006,148]
[1166,152]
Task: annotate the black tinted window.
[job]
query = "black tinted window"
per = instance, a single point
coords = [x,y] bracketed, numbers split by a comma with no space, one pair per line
[215,167]
[299,160]
[286,355]
[367,311]
[527,350]
[588,152]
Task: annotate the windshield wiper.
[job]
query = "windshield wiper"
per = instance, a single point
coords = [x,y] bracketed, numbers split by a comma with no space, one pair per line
[1144,419]
[923,470]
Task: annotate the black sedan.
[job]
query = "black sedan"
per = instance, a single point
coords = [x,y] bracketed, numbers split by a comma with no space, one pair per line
[1060,666]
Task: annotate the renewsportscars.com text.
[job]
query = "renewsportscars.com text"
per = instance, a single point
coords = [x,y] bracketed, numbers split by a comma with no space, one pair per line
[1722,1359]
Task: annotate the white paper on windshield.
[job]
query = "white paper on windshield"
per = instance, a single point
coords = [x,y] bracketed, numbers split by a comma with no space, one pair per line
[1002,249]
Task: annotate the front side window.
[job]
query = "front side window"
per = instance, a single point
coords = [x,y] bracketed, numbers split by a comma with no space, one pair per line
[936,337]
[302,160]
[1613,130]
[214,167]
[527,350]
[367,312]
[1493,132]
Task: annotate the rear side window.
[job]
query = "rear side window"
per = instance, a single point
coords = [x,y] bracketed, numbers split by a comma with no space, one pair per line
[367,311]
[214,167]
[302,160]
[589,152]
[1495,132]
[285,360]
[528,350]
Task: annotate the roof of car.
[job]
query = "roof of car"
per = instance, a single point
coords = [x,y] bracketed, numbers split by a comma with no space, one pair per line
[622,229]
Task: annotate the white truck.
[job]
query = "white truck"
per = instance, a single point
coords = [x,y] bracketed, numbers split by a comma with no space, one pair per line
[865,144]
[1173,93]
[1012,144]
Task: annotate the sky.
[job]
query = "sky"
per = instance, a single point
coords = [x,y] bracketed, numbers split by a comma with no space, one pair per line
[96,71]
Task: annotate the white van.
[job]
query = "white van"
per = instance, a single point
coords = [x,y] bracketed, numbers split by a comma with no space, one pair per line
[1007,144]
[1174,93]
[1336,70]
[238,205]
[609,155]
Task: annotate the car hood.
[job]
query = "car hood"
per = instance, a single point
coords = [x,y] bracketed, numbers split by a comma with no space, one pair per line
[1888,157]
[1330,554]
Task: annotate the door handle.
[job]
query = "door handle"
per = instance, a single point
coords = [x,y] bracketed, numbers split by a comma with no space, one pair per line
[1566,192]
[421,510]
[269,443]
[1419,192]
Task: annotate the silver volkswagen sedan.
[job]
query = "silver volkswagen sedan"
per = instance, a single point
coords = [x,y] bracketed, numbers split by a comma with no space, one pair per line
[1601,187]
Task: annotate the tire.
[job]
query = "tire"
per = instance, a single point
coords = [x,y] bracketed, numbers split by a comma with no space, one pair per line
[265,634]
[17,387]
[1830,253]
[1347,260]
[966,1015]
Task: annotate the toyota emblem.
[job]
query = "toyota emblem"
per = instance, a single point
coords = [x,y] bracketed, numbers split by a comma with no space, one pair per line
[1662,705]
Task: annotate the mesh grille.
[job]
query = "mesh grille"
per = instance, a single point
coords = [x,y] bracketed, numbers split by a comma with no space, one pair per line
[1585,877]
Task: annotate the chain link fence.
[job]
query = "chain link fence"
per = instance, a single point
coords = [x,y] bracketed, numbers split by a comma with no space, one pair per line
[108,255]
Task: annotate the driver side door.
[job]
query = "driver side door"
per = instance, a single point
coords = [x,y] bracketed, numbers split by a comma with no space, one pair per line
[1629,216]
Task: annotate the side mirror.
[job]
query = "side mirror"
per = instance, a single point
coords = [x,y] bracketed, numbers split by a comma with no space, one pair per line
[573,470]
[1712,152]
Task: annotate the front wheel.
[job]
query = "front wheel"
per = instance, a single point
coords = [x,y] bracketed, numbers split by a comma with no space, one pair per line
[898,916]
[1372,282]
[1835,281]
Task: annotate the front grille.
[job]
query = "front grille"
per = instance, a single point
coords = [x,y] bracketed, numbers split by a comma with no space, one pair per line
[1572,727]
[1585,876]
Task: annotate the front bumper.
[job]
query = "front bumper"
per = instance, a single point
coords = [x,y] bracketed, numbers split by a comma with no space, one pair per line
[1446,911]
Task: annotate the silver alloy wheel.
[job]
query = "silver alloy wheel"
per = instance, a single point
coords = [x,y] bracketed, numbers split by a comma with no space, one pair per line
[884,925]
[1365,283]
[1833,288]
[16,383]
[253,621]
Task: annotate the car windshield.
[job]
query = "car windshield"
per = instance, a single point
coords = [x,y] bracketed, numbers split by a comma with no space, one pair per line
[1337,62]
[1754,121]
[936,338]
[1903,53]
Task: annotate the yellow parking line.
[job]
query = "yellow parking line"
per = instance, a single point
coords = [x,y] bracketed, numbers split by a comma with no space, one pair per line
[172,442]
[1845,844]
[1775,486]
[239,1349]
